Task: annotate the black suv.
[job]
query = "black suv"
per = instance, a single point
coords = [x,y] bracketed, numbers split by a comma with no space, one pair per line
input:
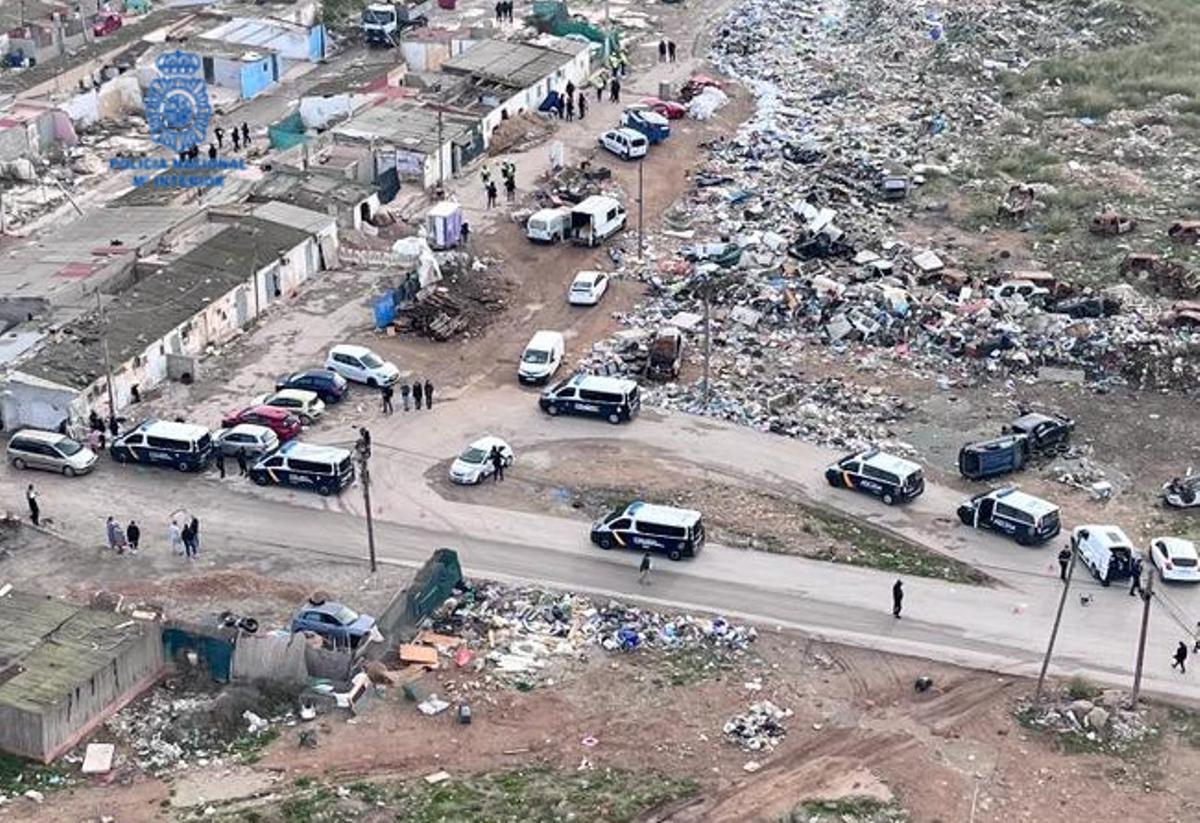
[328,385]
[1046,433]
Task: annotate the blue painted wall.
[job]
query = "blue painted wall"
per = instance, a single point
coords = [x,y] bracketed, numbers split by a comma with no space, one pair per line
[258,75]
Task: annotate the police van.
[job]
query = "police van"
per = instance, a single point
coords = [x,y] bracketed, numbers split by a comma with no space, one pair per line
[1106,551]
[1027,519]
[615,399]
[327,469]
[891,479]
[676,532]
[184,446]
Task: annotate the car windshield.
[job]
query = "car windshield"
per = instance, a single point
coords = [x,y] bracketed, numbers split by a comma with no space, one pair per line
[376,17]
[68,447]
[535,356]
[473,454]
[371,360]
[344,615]
[582,285]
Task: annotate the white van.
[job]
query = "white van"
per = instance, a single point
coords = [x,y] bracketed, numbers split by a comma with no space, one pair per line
[626,143]
[541,358]
[549,225]
[1106,551]
[596,219]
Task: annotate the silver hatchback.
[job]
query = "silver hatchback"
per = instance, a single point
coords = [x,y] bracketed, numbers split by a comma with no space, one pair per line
[51,451]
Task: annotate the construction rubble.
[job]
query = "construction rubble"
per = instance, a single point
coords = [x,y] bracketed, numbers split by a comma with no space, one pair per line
[793,232]
[1105,721]
[518,633]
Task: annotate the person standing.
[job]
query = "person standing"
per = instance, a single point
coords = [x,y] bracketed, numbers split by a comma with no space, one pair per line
[1181,653]
[570,91]
[662,50]
[428,394]
[1064,560]
[416,393]
[175,535]
[133,535]
[35,511]
[614,90]
[644,569]
[186,534]
[499,10]
[236,139]
[243,469]
[212,152]
[387,392]
[599,88]
[570,108]
[491,194]
[897,599]
[404,396]
[510,189]
[245,134]
[195,524]
[1135,574]
[219,133]
[220,461]
[671,50]
[497,464]
[465,235]
[582,105]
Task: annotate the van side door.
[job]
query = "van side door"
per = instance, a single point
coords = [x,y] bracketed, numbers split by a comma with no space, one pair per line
[622,531]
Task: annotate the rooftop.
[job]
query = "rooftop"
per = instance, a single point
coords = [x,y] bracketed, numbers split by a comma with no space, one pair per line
[408,126]
[163,300]
[49,646]
[514,65]
[311,191]
[256,32]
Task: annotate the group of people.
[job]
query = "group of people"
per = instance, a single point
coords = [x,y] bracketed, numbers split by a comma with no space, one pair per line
[666,51]
[242,461]
[496,458]
[120,540]
[185,540]
[240,137]
[504,11]
[564,104]
[417,391]
[508,172]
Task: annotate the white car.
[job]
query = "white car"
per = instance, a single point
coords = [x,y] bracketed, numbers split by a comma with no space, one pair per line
[360,364]
[474,465]
[1176,559]
[250,439]
[1025,289]
[625,143]
[304,404]
[587,288]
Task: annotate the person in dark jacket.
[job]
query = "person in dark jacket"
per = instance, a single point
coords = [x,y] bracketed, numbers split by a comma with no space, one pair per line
[428,394]
[243,469]
[416,393]
[133,536]
[897,599]
[220,463]
[497,464]
[1064,560]
[1135,575]
[1181,653]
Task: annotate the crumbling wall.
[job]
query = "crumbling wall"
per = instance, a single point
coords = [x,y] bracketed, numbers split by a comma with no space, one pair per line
[276,656]
[21,733]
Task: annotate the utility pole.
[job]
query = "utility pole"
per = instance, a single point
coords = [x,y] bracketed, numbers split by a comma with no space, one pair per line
[1062,602]
[641,208]
[707,340]
[441,159]
[108,375]
[363,447]
[1147,595]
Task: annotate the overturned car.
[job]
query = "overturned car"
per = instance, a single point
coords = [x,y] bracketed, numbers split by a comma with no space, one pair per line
[1182,492]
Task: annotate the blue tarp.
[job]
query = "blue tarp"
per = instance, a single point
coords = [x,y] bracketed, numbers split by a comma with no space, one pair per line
[385,309]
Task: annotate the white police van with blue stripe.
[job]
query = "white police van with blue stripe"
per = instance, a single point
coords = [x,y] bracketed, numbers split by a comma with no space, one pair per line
[1023,517]
[326,469]
[675,532]
[613,398]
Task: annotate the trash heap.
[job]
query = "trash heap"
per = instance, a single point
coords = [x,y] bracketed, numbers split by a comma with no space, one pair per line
[793,228]
[760,728]
[1105,720]
[524,629]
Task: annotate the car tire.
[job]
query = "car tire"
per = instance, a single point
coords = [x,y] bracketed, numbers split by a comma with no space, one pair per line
[259,479]
[371,382]
[181,466]
[605,542]
[888,499]
[552,410]
[1023,540]
[833,480]
[18,463]
[675,554]
[68,471]
[120,457]
[614,418]
[324,491]
[1104,581]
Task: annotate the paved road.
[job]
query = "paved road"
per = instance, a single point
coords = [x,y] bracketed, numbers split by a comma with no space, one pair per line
[1002,628]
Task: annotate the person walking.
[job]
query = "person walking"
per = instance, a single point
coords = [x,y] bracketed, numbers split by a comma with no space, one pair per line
[1181,653]
[497,464]
[186,536]
[219,133]
[245,134]
[220,463]
[499,10]
[212,152]
[428,394]
[897,599]
[195,524]
[510,189]
[614,90]
[644,569]
[175,534]
[671,50]
[416,393]
[133,536]
[1135,574]
[582,105]
[112,533]
[236,139]
[570,108]
[491,194]
[570,90]
[243,469]
[662,50]
[1064,560]
[599,88]
[404,396]
[465,235]
[35,511]
[387,393]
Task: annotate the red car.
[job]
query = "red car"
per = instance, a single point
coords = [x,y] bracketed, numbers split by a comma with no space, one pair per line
[106,23]
[696,84]
[281,421]
[667,108]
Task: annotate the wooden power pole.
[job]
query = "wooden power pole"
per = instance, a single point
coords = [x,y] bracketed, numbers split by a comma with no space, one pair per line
[1062,602]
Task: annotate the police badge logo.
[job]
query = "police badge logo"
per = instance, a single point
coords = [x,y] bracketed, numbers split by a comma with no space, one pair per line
[177,107]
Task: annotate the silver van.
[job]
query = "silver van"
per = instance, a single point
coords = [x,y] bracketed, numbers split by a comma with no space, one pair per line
[51,451]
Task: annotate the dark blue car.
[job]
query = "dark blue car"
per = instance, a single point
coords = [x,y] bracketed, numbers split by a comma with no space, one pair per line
[329,386]
[336,622]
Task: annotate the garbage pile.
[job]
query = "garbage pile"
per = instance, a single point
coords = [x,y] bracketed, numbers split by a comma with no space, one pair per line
[523,629]
[760,728]
[792,227]
[1105,720]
